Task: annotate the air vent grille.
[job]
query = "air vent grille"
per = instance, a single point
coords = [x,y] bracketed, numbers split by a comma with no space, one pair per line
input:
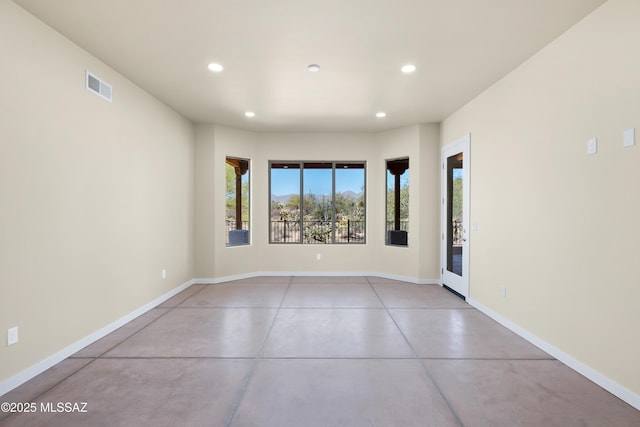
[99,87]
[93,83]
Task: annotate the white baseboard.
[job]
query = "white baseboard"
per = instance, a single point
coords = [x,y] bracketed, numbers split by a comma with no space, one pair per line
[215,280]
[58,357]
[316,273]
[406,279]
[595,376]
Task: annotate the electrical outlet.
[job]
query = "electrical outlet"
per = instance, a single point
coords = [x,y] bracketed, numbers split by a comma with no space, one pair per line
[503,292]
[318,257]
[164,274]
[12,336]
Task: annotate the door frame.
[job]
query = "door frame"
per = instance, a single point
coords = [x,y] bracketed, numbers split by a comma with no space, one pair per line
[459,284]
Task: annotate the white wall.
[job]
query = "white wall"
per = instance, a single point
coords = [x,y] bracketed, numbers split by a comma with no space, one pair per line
[204,202]
[557,227]
[96,197]
[428,205]
[395,144]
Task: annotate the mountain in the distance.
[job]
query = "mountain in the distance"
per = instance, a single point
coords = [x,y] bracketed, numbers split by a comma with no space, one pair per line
[283,198]
[351,194]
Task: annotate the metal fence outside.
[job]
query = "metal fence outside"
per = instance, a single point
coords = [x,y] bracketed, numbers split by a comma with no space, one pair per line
[404,225]
[317,231]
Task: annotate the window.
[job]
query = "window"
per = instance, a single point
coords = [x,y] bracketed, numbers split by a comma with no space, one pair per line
[397,202]
[317,202]
[237,201]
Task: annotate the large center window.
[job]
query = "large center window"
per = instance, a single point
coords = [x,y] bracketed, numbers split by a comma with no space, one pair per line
[317,202]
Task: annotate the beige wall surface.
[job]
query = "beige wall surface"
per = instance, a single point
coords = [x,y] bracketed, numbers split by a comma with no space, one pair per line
[395,144]
[217,261]
[558,227]
[96,197]
[428,209]
[204,199]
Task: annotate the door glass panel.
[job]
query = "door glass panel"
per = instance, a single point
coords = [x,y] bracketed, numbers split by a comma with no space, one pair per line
[455,226]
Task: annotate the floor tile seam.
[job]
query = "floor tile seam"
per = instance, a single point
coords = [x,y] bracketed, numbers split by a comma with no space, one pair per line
[372,357]
[183,300]
[337,358]
[295,307]
[333,308]
[430,308]
[274,307]
[245,382]
[421,362]
[252,284]
[234,307]
[440,392]
[40,395]
[279,308]
[177,358]
[273,322]
[496,359]
[327,280]
[515,359]
[168,310]
[327,283]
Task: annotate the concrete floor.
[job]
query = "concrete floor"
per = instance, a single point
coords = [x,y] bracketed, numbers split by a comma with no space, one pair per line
[316,351]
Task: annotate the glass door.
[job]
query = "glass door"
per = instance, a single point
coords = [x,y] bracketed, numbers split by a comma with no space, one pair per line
[455,216]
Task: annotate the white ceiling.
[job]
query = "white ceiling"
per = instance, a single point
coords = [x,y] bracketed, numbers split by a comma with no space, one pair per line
[460,47]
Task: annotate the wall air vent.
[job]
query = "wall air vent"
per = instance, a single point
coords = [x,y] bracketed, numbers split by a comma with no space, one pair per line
[99,87]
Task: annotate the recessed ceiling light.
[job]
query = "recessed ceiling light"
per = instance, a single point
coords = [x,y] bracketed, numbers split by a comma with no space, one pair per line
[409,68]
[313,68]
[250,114]
[381,114]
[216,68]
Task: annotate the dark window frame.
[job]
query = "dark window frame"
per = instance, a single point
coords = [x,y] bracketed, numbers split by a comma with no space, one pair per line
[398,233]
[299,222]
[236,234]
